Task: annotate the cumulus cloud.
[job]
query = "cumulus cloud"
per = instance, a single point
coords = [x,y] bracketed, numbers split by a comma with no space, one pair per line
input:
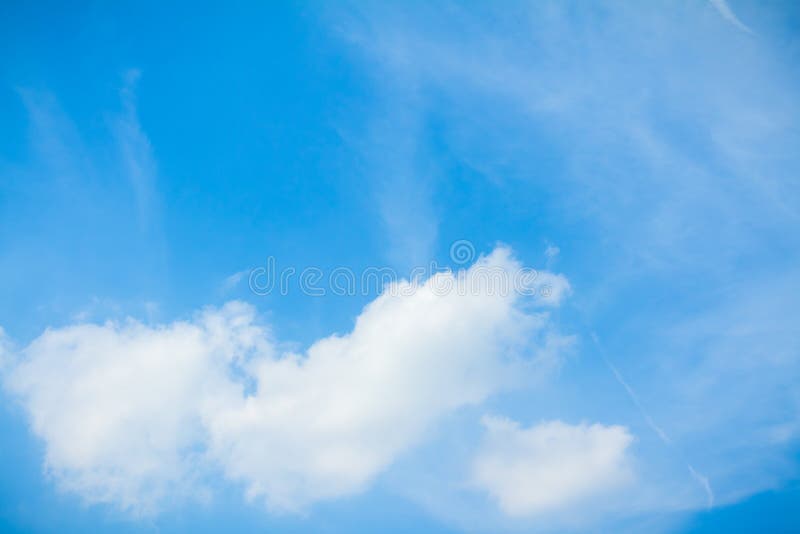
[131,413]
[530,471]
[118,405]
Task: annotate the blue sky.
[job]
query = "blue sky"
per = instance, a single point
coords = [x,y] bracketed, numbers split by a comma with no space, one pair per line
[637,162]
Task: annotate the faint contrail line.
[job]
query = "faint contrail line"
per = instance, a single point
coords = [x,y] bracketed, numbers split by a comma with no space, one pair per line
[703,480]
[698,477]
[635,399]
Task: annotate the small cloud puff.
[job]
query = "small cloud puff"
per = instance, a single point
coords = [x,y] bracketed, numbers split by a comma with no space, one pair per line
[536,470]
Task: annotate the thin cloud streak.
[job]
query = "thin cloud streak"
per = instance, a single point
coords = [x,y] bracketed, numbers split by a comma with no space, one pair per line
[727,13]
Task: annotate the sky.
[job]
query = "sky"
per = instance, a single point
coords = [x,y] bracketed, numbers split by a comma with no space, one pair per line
[427,266]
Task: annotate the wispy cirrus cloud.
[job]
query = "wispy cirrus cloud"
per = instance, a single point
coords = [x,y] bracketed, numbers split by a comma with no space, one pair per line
[136,153]
[99,182]
[728,14]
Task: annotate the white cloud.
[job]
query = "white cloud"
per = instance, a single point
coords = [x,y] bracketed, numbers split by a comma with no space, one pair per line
[131,414]
[550,465]
[337,416]
[118,405]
